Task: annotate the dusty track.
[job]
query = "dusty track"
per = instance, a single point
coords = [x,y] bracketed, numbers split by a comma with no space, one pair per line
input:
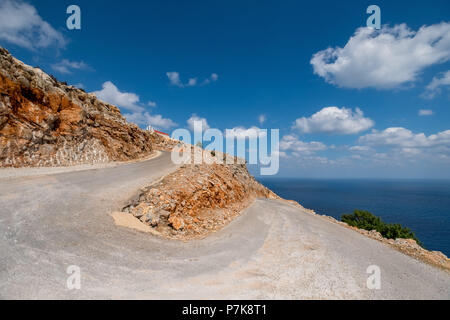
[274,250]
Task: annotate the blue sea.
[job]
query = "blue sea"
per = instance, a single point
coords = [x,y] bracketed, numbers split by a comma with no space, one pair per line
[421,205]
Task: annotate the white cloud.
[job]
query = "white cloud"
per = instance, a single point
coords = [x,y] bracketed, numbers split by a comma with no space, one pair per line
[192,82]
[298,147]
[411,151]
[404,138]
[244,133]
[400,147]
[426,112]
[111,94]
[334,120]
[195,118]
[130,102]
[383,58]
[20,24]
[152,104]
[65,66]
[361,149]
[391,148]
[144,118]
[213,78]
[434,88]
[281,154]
[262,119]
[175,80]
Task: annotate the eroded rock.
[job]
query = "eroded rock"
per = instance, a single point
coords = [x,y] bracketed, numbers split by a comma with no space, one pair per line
[44,122]
[198,199]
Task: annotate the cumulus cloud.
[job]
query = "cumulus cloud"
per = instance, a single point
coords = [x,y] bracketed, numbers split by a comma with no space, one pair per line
[334,120]
[298,147]
[426,112]
[400,147]
[65,66]
[303,154]
[145,118]
[213,78]
[192,82]
[401,137]
[244,133]
[175,80]
[134,111]
[195,118]
[20,24]
[152,104]
[383,58]
[111,94]
[360,149]
[434,88]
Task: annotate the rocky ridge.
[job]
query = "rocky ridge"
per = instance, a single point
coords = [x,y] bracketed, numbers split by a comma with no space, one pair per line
[197,199]
[44,122]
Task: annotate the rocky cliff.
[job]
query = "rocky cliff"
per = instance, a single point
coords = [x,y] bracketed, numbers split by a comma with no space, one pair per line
[44,122]
[197,199]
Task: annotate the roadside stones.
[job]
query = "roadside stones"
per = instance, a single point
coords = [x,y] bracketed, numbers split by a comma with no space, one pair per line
[141,210]
[176,222]
[151,219]
[148,214]
[164,214]
[197,199]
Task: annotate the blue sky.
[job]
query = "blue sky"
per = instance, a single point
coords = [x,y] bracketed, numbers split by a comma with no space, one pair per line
[352,112]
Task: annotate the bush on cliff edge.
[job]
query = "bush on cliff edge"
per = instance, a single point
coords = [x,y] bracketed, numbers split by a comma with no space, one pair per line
[365,220]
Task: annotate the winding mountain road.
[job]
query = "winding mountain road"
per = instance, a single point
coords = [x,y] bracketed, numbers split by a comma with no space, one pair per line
[274,250]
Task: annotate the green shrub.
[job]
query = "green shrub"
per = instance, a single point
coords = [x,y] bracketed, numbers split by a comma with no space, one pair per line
[365,220]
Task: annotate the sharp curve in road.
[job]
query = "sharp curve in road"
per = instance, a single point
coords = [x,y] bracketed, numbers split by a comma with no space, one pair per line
[274,250]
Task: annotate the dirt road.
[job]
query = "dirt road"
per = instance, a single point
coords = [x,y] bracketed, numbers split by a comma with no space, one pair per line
[272,251]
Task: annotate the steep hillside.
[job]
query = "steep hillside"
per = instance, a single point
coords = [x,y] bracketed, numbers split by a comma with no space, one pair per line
[196,200]
[44,122]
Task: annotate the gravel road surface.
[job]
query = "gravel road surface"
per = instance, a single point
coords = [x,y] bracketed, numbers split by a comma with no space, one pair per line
[274,250]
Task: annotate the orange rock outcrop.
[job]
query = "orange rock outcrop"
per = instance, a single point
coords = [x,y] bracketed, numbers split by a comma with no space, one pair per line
[197,199]
[44,122]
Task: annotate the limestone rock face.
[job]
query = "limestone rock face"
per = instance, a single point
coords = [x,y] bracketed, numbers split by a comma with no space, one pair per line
[196,200]
[44,122]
